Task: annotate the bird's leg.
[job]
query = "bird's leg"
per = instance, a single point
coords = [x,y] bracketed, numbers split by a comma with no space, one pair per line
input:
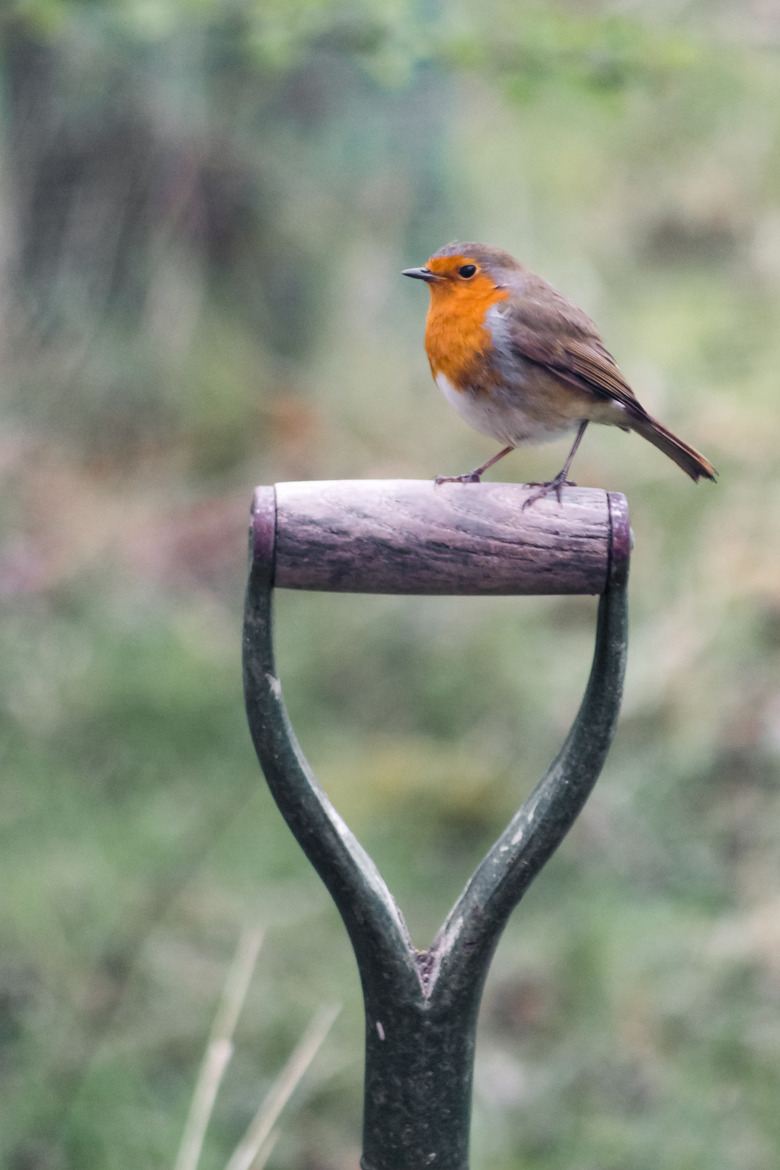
[560,481]
[476,475]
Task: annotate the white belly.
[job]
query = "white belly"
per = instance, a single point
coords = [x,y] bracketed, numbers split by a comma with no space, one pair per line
[508,423]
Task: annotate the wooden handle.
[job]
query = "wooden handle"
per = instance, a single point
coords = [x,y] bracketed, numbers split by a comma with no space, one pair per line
[411,536]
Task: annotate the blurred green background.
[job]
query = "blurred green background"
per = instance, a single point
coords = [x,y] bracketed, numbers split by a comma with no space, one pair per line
[204,209]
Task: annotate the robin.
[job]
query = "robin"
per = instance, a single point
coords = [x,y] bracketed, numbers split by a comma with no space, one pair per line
[522,364]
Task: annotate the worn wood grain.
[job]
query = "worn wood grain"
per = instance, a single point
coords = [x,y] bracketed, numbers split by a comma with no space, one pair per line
[411,536]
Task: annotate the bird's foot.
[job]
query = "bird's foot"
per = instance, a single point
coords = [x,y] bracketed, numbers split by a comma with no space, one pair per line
[467,477]
[544,489]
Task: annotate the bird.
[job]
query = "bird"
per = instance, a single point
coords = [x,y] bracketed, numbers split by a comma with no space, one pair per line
[522,364]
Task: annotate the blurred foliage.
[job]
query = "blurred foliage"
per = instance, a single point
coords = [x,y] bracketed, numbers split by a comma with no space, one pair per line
[204,208]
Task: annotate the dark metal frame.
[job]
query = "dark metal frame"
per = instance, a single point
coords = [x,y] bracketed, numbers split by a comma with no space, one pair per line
[421,1006]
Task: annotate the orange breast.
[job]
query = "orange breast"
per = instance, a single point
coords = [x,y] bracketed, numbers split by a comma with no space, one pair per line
[457,339]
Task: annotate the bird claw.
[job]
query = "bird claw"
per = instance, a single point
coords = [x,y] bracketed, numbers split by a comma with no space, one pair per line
[467,477]
[544,489]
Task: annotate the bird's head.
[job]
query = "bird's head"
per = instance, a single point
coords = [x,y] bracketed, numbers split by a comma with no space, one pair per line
[467,271]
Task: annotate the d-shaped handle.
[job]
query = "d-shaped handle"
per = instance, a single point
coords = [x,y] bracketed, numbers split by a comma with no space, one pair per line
[411,537]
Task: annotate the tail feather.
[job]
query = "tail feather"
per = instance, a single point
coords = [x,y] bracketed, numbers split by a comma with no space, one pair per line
[688,458]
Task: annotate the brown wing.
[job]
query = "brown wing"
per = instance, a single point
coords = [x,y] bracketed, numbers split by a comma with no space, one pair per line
[594,365]
[556,334]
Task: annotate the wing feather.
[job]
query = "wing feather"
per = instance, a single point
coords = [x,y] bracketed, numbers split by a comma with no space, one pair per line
[560,337]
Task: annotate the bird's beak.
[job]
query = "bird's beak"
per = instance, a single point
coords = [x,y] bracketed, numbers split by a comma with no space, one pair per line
[421,274]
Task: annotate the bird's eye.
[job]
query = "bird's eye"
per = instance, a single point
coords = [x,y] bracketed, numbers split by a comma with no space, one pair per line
[467,271]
